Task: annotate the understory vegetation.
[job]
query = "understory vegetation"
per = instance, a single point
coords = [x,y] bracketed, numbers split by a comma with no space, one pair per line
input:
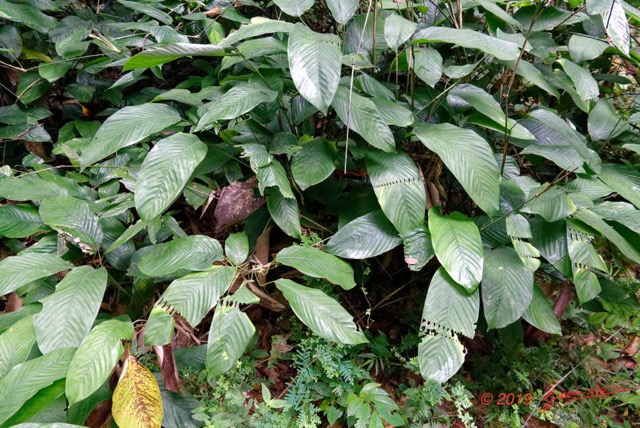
[319,213]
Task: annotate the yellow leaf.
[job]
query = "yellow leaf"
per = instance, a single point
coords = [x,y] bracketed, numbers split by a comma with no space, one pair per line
[136,399]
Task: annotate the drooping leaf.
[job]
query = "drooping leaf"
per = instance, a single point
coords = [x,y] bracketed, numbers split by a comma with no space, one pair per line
[16,271]
[257,27]
[194,252]
[128,126]
[440,356]
[318,264]
[20,221]
[398,30]
[585,84]
[500,49]
[362,116]
[552,204]
[284,212]
[160,326]
[322,314]
[418,249]
[342,10]
[399,188]
[96,357]
[624,180]
[230,334]
[68,313]
[165,171]
[367,236]
[540,314]
[193,295]
[313,163]
[427,64]
[446,306]
[622,212]
[16,344]
[583,48]
[73,217]
[470,159]
[136,400]
[163,54]
[294,7]
[236,247]
[604,123]
[394,113]
[315,61]
[507,287]
[617,26]
[457,244]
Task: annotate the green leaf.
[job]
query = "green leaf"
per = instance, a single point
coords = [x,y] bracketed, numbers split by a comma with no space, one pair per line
[621,212]
[495,9]
[194,252]
[159,328]
[126,127]
[96,357]
[552,204]
[257,27]
[604,122]
[32,187]
[73,217]
[16,344]
[397,183]
[43,405]
[447,306]
[25,380]
[20,221]
[265,46]
[315,61]
[318,264]
[427,64]
[27,14]
[624,180]
[194,295]
[608,232]
[469,39]
[469,157]
[458,247]
[230,333]
[398,30]
[127,235]
[16,271]
[418,249]
[313,163]
[367,236]
[68,313]
[540,314]
[47,425]
[440,356]
[237,101]
[148,10]
[361,115]
[284,212]
[236,247]
[31,86]
[294,7]
[342,10]
[274,175]
[393,113]
[322,314]
[165,171]
[163,54]
[617,26]
[583,48]
[488,106]
[585,84]
[507,287]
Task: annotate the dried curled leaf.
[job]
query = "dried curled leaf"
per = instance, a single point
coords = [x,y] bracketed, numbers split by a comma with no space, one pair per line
[136,400]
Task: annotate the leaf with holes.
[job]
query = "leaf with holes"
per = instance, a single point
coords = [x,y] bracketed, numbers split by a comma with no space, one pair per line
[73,217]
[367,236]
[230,333]
[165,171]
[16,271]
[440,356]
[136,400]
[399,188]
[457,244]
[318,264]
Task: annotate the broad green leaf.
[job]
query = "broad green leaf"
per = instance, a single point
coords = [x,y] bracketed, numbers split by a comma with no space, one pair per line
[342,10]
[622,212]
[236,247]
[193,295]
[257,27]
[484,103]
[313,163]
[624,180]
[361,115]
[126,127]
[393,113]
[446,306]
[617,26]
[194,252]
[458,247]
[581,252]
[274,175]
[584,48]
[230,333]
[128,234]
[68,314]
[31,87]
[163,54]
[540,314]
[534,75]
[284,212]
[136,400]
[318,264]
[16,271]
[25,380]
[469,157]
[495,9]
[315,61]
[609,233]
[165,171]
[20,221]
[28,14]
[518,230]
[604,122]
[72,216]
[265,46]
[469,39]
[16,344]
[367,236]
[552,204]
[159,328]
[585,84]
[397,183]
[507,287]
[398,30]
[239,100]
[149,10]
[32,187]
[322,314]
[96,357]
[427,64]
[418,249]
[294,7]
[440,356]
